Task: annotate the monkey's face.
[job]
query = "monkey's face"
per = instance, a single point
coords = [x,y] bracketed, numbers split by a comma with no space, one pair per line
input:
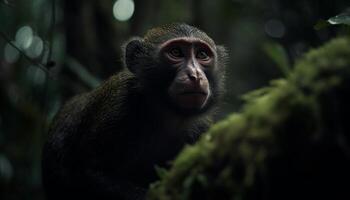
[190,59]
[174,69]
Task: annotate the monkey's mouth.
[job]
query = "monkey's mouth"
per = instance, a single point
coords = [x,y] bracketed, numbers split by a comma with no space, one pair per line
[192,99]
[193,93]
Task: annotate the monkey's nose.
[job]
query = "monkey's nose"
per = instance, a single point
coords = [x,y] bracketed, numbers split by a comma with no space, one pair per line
[193,77]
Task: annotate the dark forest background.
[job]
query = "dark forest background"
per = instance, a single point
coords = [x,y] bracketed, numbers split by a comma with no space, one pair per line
[52,50]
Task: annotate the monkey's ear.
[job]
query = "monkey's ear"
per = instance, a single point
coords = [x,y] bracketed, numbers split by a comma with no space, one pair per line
[134,54]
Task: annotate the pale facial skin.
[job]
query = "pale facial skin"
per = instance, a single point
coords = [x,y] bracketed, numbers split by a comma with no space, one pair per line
[191,58]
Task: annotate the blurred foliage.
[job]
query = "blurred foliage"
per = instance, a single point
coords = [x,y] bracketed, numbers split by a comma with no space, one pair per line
[279,55]
[289,142]
[69,51]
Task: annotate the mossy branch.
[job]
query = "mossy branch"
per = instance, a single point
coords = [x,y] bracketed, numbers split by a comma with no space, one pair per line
[290,140]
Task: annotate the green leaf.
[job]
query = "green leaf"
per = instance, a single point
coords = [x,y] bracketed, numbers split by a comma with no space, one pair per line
[161,172]
[343,18]
[279,55]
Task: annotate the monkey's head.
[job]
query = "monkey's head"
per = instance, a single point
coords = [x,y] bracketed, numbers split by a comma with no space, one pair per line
[178,66]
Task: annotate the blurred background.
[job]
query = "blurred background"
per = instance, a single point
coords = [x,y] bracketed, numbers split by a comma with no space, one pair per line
[51,50]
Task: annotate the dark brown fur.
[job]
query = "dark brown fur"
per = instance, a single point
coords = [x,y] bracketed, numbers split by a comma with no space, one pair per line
[105,144]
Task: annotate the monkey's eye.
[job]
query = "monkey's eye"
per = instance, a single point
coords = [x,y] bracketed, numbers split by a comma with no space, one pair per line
[202,55]
[176,52]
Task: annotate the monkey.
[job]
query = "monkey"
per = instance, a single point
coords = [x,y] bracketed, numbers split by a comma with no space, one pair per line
[107,143]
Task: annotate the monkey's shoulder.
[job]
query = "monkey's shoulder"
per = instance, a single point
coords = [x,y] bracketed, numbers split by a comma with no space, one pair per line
[67,120]
[90,109]
[112,100]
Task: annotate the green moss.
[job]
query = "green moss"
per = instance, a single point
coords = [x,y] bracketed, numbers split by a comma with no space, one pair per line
[280,143]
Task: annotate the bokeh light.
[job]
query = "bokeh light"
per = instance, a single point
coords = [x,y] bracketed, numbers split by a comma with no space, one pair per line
[11,54]
[36,48]
[123,9]
[36,75]
[24,37]
[275,28]
[6,170]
